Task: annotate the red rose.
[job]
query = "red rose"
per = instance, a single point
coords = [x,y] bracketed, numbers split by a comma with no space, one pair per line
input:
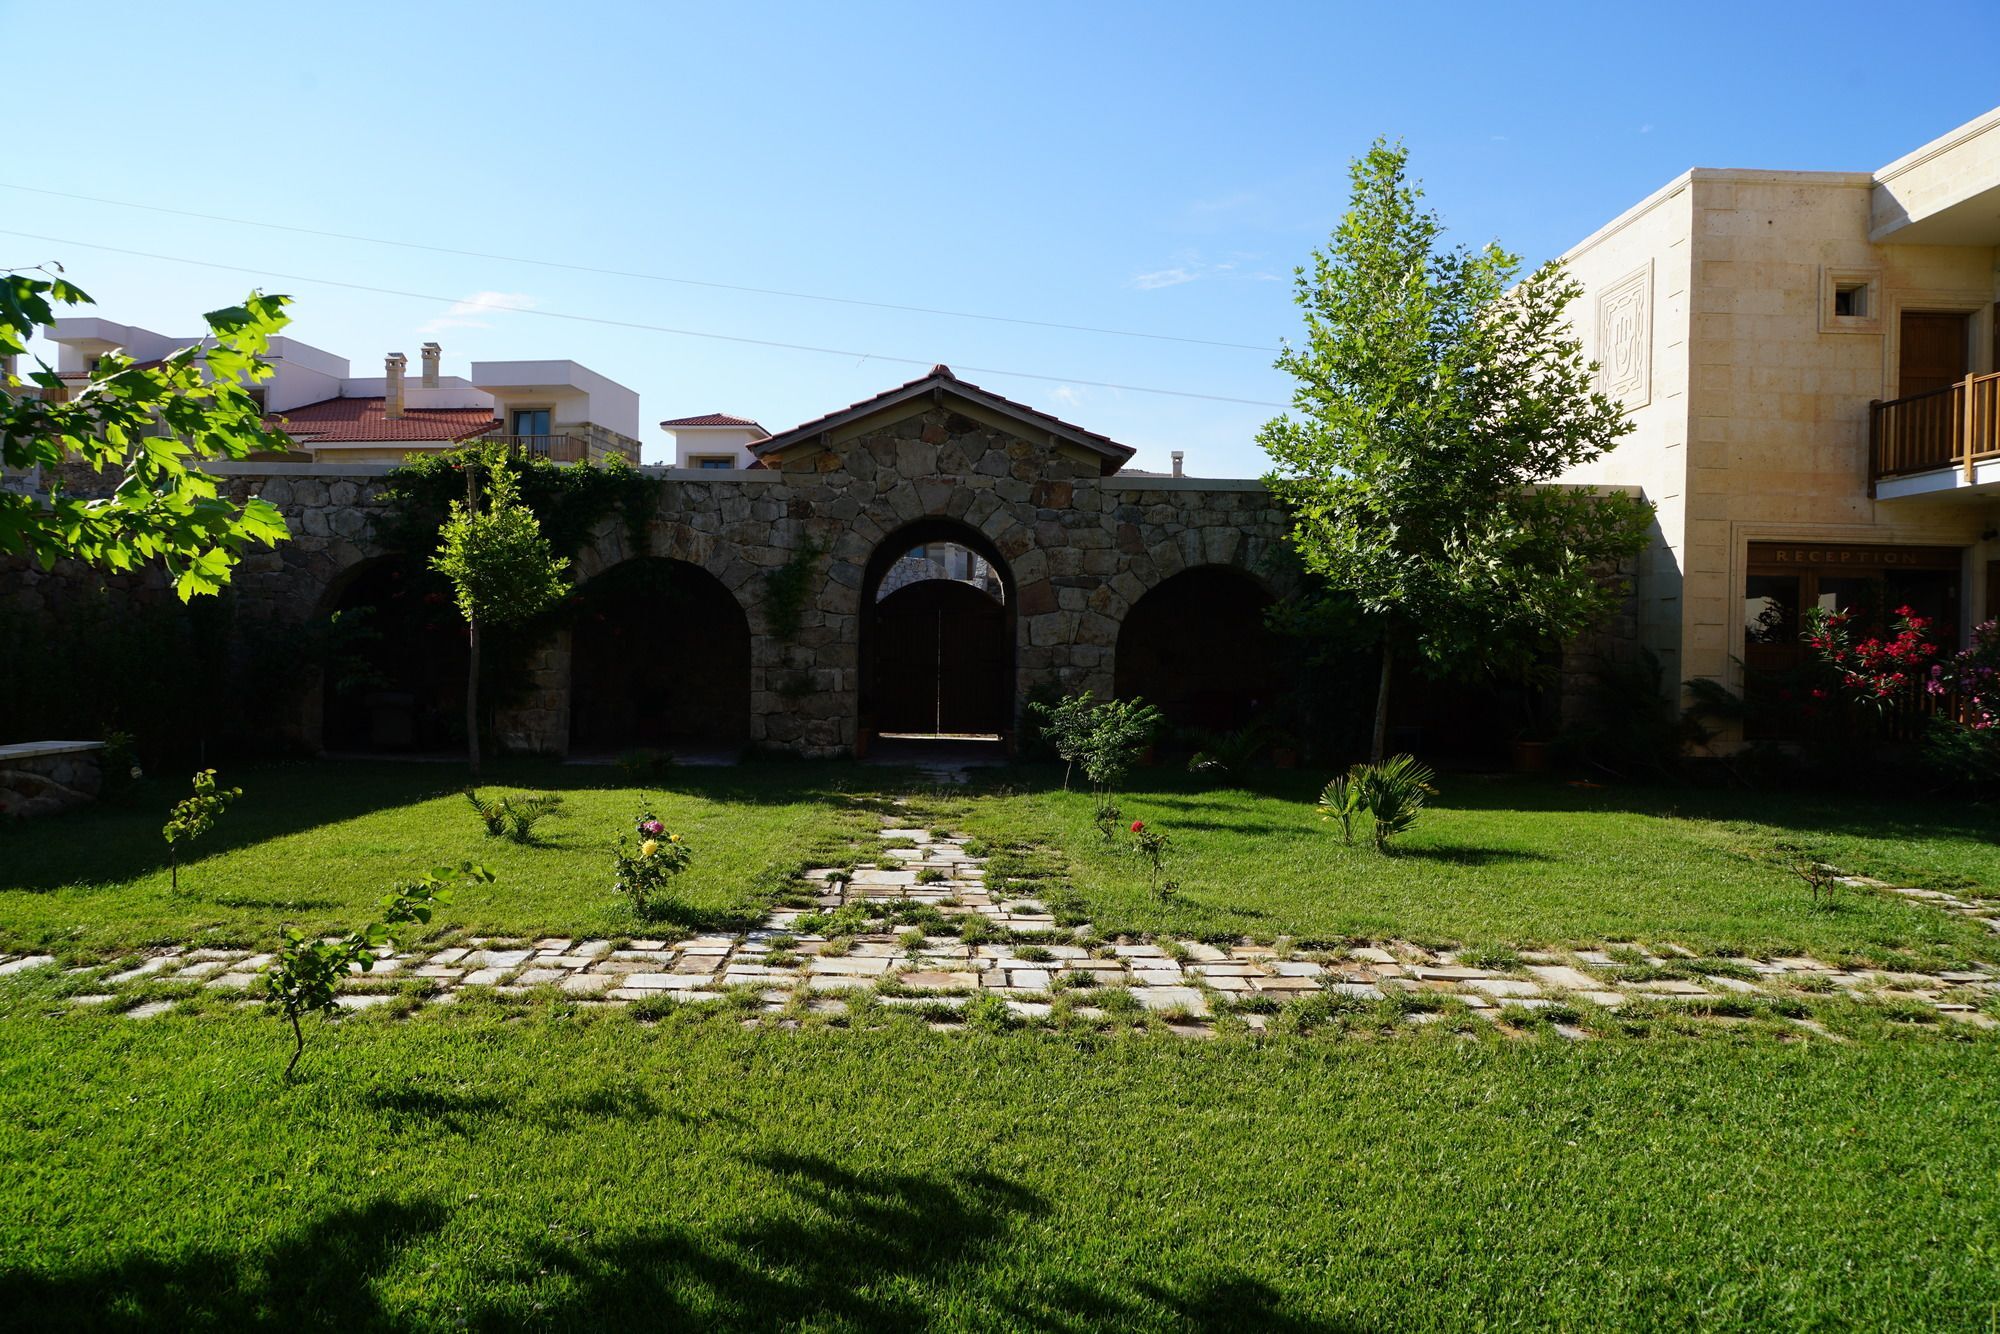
[1137,825]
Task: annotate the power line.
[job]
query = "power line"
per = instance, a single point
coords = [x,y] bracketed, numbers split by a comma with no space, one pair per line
[634,324]
[625,273]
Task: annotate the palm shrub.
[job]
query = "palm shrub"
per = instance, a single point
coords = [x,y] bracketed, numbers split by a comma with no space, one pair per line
[515,817]
[1390,793]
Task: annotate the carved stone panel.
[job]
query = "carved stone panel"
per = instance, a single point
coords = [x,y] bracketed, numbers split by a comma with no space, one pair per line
[1625,339]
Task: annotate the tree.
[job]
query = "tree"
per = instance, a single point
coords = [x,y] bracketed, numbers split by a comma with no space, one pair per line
[194,816]
[500,566]
[1437,390]
[150,426]
[306,976]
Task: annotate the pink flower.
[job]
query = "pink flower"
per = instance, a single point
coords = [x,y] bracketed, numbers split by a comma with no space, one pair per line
[1137,825]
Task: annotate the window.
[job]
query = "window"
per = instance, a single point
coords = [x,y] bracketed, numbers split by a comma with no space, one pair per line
[531,421]
[1850,300]
[722,461]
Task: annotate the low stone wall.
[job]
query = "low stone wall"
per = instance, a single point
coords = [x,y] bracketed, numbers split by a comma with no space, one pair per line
[46,777]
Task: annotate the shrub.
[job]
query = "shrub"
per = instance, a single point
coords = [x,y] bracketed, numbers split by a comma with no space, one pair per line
[1391,794]
[515,817]
[644,872]
[1152,844]
[194,816]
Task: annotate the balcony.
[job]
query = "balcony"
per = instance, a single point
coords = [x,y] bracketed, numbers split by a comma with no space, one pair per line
[1945,440]
[559,448]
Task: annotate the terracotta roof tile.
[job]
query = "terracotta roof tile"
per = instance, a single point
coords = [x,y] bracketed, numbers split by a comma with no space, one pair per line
[711,419]
[334,420]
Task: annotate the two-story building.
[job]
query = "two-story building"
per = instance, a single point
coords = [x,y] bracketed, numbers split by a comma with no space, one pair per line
[1808,361]
[554,409]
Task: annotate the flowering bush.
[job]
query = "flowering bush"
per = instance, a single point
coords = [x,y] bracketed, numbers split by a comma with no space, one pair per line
[1152,844]
[1894,673]
[644,872]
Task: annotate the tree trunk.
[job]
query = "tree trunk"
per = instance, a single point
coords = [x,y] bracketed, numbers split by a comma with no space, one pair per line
[472,700]
[298,1044]
[1380,742]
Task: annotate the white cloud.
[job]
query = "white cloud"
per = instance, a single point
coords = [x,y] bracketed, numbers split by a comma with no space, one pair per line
[1158,278]
[1647,128]
[1066,395]
[464,314]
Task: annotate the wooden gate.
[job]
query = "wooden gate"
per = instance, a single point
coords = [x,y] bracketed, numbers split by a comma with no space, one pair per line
[939,661]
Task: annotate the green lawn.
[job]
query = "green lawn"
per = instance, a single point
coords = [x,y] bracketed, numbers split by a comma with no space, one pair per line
[529,1161]
[492,1167]
[1517,862]
[1495,861]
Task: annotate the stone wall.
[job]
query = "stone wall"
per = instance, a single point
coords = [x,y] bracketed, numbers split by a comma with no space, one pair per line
[1077,550]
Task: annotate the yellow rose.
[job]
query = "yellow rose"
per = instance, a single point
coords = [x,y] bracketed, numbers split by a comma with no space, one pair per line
[649,847]
[673,838]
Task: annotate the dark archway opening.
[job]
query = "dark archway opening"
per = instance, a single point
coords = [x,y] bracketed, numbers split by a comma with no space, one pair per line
[394,674]
[937,636]
[659,657]
[1196,646]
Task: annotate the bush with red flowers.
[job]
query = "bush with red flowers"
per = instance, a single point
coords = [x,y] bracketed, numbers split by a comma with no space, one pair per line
[1951,699]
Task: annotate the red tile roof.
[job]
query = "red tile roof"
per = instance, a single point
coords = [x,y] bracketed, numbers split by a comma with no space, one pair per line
[334,420]
[941,377]
[711,419]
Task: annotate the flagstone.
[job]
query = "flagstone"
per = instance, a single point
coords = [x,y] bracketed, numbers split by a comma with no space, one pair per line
[590,984]
[931,980]
[849,965]
[540,977]
[664,982]
[149,1010]
[1173,998]
[1501,986]
[231,981]
[1558,975]
[484,977]
[22,965]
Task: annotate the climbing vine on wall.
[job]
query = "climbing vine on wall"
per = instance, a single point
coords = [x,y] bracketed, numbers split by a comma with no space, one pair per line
[569,500]
[786,588]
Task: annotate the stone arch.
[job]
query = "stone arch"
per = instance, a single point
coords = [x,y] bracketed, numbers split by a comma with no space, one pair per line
[1195,644]
[937,651]
[394,679]
[659,656]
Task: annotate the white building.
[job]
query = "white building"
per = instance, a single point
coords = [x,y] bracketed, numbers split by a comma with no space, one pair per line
[555,409]
[714,440]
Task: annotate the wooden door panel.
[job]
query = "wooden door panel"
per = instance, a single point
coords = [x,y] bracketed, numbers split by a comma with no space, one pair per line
[1932,352]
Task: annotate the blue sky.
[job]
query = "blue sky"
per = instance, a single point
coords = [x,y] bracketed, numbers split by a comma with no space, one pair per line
[1157,167]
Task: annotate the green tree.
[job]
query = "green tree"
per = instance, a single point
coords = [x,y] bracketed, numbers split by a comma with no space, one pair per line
[500,566]
[149,426]
[1437,391]
[194,816]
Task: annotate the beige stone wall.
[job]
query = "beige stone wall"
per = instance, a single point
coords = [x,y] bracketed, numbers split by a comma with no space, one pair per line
[1645,251]
[1781,400]
[1752,424]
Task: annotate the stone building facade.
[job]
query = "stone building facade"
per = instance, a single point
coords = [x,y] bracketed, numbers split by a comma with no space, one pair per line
[1076,543]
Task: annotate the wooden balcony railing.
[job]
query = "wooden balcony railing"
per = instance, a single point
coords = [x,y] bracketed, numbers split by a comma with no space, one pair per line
[1953,427]
[559,448]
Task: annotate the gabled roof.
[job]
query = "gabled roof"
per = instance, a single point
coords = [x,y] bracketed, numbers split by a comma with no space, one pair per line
[349,419]
[941,380]
[712,419]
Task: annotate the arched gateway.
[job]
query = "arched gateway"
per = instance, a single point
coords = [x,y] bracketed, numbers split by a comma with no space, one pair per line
[814,549]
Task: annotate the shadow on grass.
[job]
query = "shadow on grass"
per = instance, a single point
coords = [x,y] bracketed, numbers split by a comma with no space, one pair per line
[317,1277]
[119,841]
[838,1247]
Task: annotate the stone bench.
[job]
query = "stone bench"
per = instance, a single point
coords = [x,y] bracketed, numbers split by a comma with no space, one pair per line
[44,777]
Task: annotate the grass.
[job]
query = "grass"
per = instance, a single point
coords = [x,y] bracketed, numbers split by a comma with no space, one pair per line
[1495,864]
[319,844]
[1508,862]
[537,1163]
[492,1167]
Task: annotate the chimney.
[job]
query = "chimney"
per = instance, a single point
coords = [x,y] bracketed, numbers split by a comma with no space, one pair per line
[392,392]
[1179,454]
[432,354]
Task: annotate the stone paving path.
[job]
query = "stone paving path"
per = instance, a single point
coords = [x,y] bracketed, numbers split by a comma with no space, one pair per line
[1028,963]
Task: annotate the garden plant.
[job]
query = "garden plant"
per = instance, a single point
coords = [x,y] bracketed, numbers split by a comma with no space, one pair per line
[194,816]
